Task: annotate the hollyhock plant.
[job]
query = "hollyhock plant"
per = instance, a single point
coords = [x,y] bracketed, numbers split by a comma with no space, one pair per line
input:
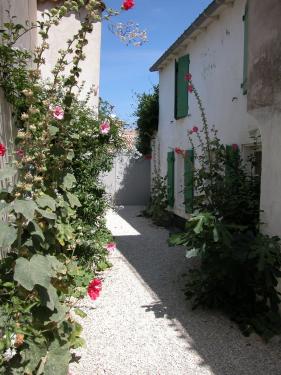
[234,147]
[110,247]
[2,149]
[94,289]
[128,4]
[105,127]
[195,129]
[58,112]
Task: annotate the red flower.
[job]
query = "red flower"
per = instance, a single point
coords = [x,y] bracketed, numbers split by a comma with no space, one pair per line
[235,147]
[190,88]
[148,157]
[2,149]
[128,4]
[195,129]
[179,151]
[188,77]
[94,289]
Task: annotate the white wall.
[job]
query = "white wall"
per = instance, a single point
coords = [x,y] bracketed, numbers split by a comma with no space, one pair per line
[216,65]
[57,39]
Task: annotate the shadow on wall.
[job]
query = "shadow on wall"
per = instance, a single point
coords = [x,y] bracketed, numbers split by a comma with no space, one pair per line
[221,346]
[134,183]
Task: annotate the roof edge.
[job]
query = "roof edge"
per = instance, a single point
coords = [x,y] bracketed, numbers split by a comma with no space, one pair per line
[211,8]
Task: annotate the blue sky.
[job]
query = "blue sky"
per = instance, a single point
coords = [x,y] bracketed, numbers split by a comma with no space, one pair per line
[125,69]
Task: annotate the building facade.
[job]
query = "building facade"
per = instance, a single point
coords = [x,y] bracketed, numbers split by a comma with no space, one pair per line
[214,50]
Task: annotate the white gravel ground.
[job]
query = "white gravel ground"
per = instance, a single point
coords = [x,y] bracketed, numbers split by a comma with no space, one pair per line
[142,324]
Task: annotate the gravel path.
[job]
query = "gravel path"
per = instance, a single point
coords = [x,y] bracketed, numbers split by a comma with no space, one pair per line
[142,324]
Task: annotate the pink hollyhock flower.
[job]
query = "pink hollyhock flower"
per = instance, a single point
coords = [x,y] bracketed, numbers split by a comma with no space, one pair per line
[2,149]
[179,151]
[188,77]
[20,153]
[104,127]
[58,112]
[195,129]
[128,4]
[234,147]
[94,289]
[190,88]
[110,247]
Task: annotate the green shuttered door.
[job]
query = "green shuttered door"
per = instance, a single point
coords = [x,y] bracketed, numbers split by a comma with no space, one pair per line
[181,93]
[171,178]
[188,181]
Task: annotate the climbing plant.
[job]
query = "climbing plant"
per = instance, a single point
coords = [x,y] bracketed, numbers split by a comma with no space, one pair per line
[46,209]
[240,266]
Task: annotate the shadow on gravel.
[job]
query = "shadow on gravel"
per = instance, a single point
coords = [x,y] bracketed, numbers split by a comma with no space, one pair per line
[216,339]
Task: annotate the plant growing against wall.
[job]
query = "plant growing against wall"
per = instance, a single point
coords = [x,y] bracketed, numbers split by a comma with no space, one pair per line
[48,212]
[147,112]
[239,265]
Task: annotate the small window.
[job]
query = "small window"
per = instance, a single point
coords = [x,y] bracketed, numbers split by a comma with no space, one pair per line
[181,93]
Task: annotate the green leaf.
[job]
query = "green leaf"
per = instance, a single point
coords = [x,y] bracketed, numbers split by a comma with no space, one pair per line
[53,130]
[47,214]
[8,235]
[57,359]
[192,253]
[37,231]
[33,355]
[56,265]
[7,172]
[73,200]
[70,155]
[37,271]
[26,208]
[215,234]
[80,313]
[68,181]
[46,201]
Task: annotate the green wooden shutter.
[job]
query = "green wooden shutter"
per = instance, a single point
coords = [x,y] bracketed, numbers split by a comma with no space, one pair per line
[181,93]
[246,52]
[188,181]
[171,178]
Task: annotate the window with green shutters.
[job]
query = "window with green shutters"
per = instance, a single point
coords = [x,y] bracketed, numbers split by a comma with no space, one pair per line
[246,39]
[188,181]
[181,93]
[171,178]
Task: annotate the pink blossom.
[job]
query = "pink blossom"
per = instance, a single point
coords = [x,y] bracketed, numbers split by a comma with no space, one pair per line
[190,88]
[188,77]
[105,127]
[179,151]
[234,147]
[110,247]
[195,129]
[94,289]
[58,112]
[20,153]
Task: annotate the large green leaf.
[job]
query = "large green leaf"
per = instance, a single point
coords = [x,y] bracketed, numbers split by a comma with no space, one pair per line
[7,172]
[57,359]
[47,214]
[8,235]
[46,201]
[53,130]
[25,207]
[73,200]
[37,271]
[69,181]
[33,355]
[192,253]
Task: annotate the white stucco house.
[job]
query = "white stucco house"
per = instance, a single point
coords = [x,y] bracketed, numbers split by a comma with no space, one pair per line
[214,49]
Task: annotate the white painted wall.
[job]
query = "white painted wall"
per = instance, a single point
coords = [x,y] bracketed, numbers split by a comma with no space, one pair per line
[216,65]
[57,40]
